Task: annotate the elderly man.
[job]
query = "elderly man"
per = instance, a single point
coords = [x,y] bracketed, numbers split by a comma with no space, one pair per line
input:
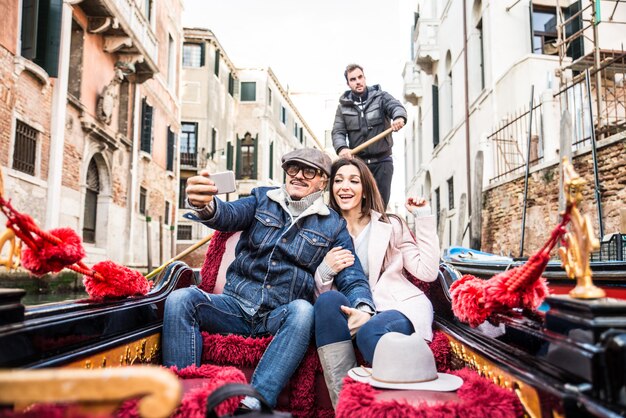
[287,231]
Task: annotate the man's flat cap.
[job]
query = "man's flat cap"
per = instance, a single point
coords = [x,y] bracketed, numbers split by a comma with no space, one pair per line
[309,156]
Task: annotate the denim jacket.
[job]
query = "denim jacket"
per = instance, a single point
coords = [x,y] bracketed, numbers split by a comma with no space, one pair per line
[276,258]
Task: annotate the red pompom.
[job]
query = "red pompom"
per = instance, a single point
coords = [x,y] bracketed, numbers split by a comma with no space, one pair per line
[49,257]
[535,294]
[115,281]
[468,300]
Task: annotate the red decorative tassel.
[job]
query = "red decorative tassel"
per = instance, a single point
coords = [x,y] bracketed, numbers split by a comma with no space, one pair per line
[113,280]
[49,257]
[474,300]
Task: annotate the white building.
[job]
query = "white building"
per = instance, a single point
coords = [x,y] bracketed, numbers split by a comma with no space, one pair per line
[471,107]
[238,119]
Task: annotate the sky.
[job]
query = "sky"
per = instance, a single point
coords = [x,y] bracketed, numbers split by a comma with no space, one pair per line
[308,44]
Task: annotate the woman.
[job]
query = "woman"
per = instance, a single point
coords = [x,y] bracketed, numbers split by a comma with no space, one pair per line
[385,248]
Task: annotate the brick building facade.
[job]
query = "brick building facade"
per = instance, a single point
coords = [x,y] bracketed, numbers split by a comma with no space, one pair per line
[503,203]
[90,120]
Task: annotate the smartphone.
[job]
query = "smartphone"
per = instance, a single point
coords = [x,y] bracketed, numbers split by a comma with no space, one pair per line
[224,181]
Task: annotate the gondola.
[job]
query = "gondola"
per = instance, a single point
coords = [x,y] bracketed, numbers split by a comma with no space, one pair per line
[569,360]
[608,274]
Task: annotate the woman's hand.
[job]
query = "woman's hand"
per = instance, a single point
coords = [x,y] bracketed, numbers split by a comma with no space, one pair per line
[338,259]
[413,203]
[356,318]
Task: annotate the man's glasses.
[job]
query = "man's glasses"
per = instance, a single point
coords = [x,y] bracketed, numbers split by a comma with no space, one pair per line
[308,173]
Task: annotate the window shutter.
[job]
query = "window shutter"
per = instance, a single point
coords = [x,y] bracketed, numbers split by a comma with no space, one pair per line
[271,160]
[171,141]
[202,53]
[231,84]
[238,162]
[30,11]
[576,48]
[255,160]
[52,42]
[213,142]
[146,127]
[229,156]
[435,91]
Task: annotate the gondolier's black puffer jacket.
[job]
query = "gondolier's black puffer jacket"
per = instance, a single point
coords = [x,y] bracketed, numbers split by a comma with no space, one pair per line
[380,108]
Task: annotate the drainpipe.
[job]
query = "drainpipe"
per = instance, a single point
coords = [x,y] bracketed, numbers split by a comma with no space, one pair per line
[57,122]
[132,191]
[467,119]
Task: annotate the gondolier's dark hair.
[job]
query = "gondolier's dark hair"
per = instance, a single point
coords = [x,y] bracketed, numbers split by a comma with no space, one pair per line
[371,196]
[350,68]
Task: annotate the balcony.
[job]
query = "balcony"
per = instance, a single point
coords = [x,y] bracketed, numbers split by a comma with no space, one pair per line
[127,32]
[412,83]
[188,160]
[425,40]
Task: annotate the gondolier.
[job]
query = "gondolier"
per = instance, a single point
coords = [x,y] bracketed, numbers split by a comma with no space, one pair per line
[364,113]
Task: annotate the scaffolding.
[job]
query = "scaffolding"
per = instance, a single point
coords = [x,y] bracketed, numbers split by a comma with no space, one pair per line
[577,23]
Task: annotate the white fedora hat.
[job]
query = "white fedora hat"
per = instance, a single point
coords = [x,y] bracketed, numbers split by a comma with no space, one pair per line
[405,362]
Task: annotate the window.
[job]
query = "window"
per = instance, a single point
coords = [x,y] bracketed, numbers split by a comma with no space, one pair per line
[25,149]
[269,96]
[283,115]
[182,194]
[301,136]
[544,30]
[171,147]
[184,232]
[41,33]
[188,144]
[481,53]
[147,10]
[246,167]
[142,200]
[295,129]
[193,55]
[146,126]
[171,62]
[91,202]
[231,84]
[248,91]
[213,142]
[76,60]
[166,215]
[435,94]
[216,69]
[451,193]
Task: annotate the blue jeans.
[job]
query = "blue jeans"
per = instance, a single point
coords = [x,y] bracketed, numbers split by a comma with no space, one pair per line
[190,310]
[331,324]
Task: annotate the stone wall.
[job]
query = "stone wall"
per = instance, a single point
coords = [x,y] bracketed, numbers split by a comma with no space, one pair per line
[503,204]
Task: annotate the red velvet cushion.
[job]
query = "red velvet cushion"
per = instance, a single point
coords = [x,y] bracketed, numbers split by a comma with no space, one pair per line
[478,397]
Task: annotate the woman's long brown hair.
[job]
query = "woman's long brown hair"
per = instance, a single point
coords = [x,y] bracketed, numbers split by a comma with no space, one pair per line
[371,196]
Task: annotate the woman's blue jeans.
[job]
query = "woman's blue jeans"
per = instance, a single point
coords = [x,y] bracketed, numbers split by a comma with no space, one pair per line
[331,324]
[190,310]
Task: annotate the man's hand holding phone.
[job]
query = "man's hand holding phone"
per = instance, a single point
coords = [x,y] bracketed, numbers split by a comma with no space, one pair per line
[201,188]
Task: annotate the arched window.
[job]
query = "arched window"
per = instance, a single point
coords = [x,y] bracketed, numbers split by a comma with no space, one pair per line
[246,163]
[91,202]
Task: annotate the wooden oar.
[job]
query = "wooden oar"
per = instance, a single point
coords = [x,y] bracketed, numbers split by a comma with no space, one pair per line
[369,142]
[179,256]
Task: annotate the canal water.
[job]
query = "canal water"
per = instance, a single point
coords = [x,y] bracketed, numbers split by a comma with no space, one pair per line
[66,285]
